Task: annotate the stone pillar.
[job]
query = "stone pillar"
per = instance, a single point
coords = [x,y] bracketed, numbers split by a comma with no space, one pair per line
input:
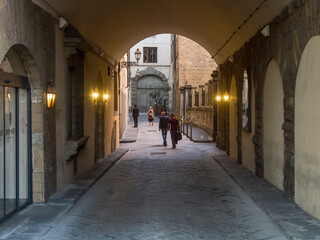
[215,104]
[182,101]
[206,88]
[222,115]
[194,89]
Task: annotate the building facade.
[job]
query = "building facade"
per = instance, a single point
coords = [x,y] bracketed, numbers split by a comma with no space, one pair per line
[193,85]
[153,74]
[41,149]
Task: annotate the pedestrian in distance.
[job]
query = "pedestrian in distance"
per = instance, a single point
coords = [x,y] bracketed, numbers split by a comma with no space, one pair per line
[163,127]
[174,127]
[150,116]
[135,115]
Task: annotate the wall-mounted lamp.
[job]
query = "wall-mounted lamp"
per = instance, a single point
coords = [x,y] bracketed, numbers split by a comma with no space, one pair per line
[51,96]
[218,97]
[105,97]
[95,96]
[137,55]
[226,97]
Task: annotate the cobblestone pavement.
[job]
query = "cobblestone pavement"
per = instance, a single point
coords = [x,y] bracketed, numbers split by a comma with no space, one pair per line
[156,192]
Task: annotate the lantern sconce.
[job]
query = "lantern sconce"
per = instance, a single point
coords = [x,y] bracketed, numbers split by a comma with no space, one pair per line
[105,97]
[95,96]
[51,95]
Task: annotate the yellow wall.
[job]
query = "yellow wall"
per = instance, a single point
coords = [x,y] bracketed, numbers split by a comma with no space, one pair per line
[93,67]
[307,130]
[273,140]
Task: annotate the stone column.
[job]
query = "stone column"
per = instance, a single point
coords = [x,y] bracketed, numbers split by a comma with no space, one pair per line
[215,104]
[206,88]
[182,101]
[194,89]
[201,95]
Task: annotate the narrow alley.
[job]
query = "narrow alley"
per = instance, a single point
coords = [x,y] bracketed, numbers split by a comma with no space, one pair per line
[156,192]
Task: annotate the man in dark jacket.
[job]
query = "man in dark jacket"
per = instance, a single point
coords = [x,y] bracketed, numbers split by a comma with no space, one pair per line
[173,125]
[163,126]
[135,115]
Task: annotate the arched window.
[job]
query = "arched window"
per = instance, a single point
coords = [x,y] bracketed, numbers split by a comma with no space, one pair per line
[246,101]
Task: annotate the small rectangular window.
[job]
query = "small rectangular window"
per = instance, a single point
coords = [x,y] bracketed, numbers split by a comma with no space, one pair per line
[150,54]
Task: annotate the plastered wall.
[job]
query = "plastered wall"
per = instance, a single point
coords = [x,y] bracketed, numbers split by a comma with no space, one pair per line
[273,141]
[307,130]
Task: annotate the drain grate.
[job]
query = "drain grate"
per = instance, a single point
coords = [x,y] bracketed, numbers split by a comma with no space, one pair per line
[152,130]
[158,153]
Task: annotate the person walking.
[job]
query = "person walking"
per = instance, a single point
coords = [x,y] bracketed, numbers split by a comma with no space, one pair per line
[150,116]
[174,127]
[163,126]
[135,115]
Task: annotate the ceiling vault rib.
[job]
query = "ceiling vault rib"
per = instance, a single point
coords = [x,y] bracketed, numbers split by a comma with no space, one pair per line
[239,28]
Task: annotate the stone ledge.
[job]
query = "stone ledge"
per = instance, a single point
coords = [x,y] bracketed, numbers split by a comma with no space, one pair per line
[73,192]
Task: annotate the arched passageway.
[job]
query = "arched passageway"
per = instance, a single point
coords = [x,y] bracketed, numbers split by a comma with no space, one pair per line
[307,132]
[273,118]
[149,81]
[210,23]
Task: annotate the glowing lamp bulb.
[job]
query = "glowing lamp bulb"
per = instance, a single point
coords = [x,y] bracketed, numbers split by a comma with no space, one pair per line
[105,97]
[218,98]
[95,95]
[226,97]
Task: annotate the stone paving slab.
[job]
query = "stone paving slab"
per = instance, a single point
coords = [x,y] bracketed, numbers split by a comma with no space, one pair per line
[294,222]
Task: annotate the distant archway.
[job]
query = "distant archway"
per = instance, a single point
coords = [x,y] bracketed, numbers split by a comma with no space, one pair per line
[141,86]
[273,118]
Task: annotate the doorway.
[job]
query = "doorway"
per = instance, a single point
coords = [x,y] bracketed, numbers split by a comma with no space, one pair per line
[15,137]
[15,165]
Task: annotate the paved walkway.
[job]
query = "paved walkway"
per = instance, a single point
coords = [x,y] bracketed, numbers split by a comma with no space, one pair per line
[155,192]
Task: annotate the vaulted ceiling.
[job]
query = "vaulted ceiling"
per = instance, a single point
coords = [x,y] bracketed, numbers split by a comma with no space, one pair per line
[116,25]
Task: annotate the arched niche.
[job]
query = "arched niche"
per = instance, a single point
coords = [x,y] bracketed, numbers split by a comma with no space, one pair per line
[307,129]
[233,149]
[273,118]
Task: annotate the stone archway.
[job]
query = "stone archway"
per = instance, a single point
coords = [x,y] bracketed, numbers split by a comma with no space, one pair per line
[273,118]
[23,57]
[141,86]
[307,131]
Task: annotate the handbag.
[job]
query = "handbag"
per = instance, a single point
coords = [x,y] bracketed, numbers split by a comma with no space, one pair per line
[179,136]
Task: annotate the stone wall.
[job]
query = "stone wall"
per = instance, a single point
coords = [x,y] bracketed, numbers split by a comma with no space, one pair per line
[193,66]
[202,117]
[289,34]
